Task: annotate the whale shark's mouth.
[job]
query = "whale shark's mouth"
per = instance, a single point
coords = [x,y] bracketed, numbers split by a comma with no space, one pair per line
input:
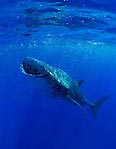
[28,71]
[30,66]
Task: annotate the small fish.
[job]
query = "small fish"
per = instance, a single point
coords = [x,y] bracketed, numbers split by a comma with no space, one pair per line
[27,34]
[29,11]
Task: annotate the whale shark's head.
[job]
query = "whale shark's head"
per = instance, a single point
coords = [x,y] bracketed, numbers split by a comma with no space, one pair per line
[32,67]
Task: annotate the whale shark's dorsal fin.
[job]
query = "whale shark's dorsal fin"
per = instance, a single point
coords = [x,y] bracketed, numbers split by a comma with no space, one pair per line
[80,82]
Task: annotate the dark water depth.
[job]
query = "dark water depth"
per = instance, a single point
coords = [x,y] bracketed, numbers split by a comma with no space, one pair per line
[76,36]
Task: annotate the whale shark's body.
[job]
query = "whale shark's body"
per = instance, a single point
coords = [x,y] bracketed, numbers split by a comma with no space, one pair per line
[61,82]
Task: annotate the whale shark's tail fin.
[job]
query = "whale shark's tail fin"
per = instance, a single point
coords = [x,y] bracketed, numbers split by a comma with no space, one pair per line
[97,104]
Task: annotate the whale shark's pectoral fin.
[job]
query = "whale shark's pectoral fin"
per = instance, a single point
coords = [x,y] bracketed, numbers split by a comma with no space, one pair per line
[80,82]
[78,104]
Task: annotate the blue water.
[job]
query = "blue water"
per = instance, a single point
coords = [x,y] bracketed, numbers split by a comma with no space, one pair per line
[76,36]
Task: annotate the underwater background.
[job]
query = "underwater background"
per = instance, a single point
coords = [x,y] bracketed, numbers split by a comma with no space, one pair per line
[76,36]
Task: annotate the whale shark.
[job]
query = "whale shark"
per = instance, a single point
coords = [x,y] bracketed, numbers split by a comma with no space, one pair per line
[61,82]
